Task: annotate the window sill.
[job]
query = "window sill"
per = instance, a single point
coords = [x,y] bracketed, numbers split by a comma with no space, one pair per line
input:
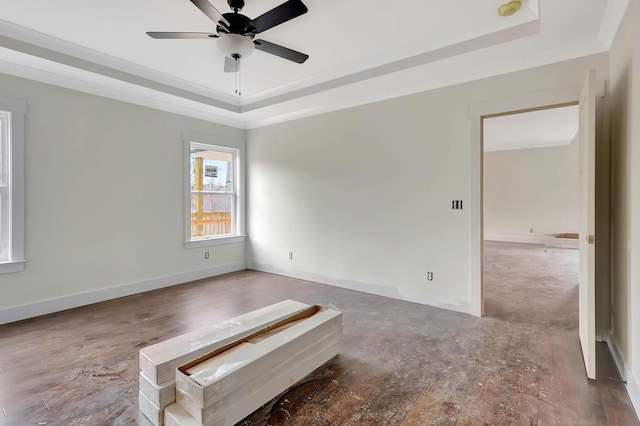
[215,241]
[12,266]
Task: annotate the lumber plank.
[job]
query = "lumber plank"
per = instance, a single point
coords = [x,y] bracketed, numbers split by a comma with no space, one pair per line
[175,415]
[161,395]
[150,410]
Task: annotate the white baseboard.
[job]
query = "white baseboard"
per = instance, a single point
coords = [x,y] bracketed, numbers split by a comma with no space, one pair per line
[633,389]
[515,239]
[617,358]
[17,313]
[378,290]
[633,385]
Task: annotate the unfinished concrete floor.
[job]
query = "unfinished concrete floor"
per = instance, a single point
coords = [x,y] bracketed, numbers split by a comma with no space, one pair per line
[400,363]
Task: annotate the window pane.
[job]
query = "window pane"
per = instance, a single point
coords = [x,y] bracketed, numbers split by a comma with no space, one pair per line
[211,170]
[211,215]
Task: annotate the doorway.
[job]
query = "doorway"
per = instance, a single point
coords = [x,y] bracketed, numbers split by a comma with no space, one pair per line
[531,213]
[594,161]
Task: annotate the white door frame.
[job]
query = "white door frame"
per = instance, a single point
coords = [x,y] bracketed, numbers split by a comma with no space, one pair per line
[520,103]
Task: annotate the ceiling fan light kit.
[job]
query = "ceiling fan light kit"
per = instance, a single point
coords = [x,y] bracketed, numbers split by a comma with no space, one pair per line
[236,32]
[235,46]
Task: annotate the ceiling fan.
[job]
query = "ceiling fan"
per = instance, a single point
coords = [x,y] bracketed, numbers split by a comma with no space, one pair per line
[235,32]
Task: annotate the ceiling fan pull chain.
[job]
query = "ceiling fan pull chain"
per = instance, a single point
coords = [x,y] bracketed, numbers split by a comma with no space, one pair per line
[238,91]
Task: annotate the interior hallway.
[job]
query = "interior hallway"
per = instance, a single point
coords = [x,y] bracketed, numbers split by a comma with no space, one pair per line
[400,363]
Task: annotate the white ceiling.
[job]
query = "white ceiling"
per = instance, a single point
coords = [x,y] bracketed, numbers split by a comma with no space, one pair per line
[537,129]
[360,50]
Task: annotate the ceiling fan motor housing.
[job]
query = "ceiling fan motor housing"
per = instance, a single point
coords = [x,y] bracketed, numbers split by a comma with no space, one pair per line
[239,24]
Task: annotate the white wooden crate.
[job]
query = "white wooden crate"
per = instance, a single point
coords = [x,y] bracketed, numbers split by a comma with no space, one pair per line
[222,388]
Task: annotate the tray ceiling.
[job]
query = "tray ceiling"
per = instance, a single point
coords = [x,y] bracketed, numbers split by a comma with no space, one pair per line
[373,48]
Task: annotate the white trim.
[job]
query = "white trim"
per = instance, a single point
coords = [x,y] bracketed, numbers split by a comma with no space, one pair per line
[52,49]
[617,358]
[476,231]
[17,313]
[215,241]
[15,153]
[633,390]
[5,186]
[378,290]
[12,266]
[541,99]
[632,385]
[515,239]
[86,82]
[524,101]
[220,142]
[33,44]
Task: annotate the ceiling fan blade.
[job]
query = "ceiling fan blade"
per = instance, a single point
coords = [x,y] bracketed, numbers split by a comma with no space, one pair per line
[230,64]
[279,14]
[156,34]
[213,14]
[283,52]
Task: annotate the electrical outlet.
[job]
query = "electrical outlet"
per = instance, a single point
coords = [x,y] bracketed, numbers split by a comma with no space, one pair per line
[531,230]
[290,255]
[206,254]
[456,205]
[429,276]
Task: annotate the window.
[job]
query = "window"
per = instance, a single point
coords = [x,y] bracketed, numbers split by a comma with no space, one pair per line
[11,185]
[213,212]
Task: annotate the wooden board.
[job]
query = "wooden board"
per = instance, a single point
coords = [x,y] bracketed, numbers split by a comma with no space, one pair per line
[150,410]
[159,361]
[175,415]
[160,395]
[569,235]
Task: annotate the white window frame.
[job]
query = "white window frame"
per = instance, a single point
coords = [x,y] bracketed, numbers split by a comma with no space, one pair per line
[224,145]
[12,113]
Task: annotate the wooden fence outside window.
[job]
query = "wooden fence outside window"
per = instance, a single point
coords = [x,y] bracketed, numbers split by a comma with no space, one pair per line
[205,224]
